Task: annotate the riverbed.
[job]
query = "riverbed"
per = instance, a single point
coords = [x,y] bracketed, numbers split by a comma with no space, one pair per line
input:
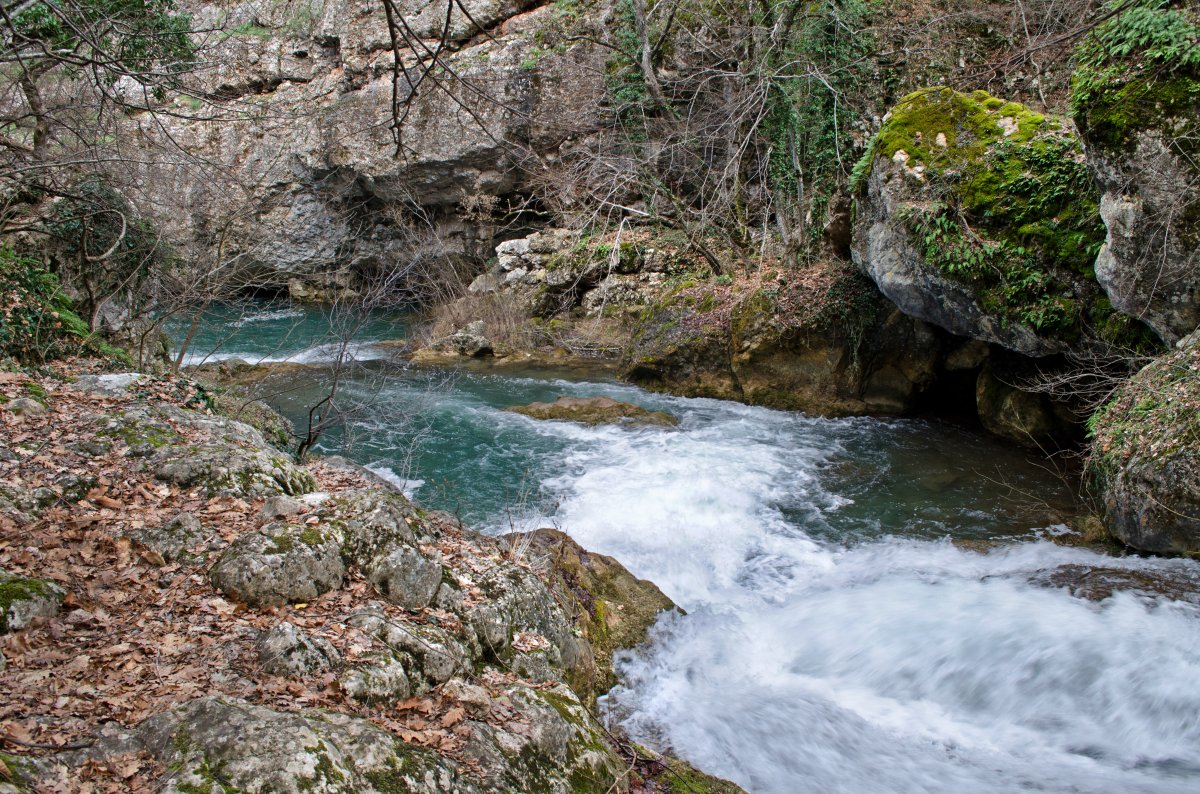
[872,605]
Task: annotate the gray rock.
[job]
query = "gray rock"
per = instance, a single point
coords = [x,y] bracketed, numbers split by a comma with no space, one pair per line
[172,540]
[279,507]
[487,282]
[22,600]
[429,654]
[256,749]
[282,563]
[113,384]
[383,680]
[26,406]
[1150,263]
[287,651]
[467,341]
[405,577]
[553,745]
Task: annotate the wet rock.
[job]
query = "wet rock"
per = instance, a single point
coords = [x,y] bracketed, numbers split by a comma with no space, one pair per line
[613,608]
[282,563]
[172,540]
[22,600]
[1029,418]
[405,576]
[1145,454]
[220,743]
[596,411]
[287,651]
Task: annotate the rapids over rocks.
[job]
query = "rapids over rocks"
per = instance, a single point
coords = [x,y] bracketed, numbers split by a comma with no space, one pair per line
[873,606]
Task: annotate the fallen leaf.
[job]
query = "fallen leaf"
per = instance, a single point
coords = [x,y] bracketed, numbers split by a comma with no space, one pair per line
[453,716]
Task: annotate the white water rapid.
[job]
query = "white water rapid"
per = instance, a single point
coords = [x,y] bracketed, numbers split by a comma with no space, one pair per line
[819,658]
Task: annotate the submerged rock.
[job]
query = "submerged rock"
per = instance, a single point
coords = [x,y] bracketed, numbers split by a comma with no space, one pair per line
[1145,454]
[596,411]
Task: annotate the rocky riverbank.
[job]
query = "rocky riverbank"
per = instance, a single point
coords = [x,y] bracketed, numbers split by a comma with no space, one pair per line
[189,610]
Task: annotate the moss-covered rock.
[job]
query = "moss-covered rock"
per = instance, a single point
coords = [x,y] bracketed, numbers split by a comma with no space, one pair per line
[1136,99]
[282,563]
[1145,455]
[23,599]
[612,608]
[980,216]
[596,411]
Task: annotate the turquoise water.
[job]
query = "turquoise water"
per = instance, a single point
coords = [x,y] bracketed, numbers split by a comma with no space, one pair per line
[836,640]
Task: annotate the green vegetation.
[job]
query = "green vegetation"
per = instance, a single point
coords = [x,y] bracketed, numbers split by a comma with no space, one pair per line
[37,321]
[1017,215]
[1138,71]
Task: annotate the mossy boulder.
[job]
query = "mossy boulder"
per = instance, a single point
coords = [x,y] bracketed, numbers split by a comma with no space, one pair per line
[1136,99]
[596,411]
[1145,455]
[613,609]
[979,215]
[22,600]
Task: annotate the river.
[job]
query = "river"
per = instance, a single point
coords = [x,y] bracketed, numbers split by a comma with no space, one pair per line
[873,605]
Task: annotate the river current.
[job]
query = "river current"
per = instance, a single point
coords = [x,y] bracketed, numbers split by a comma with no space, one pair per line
[872,605]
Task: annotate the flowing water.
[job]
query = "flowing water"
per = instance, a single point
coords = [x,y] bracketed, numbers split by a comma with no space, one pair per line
[840,635]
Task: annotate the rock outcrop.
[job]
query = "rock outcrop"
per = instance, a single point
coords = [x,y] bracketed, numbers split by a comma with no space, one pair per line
[979,216]
[596,411]
[318,188]
[1145,456]
[1138,111]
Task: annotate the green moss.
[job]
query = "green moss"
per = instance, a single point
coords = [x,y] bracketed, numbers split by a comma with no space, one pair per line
[1139,71]
[20,769]
[14,589]
[280,544]
[311,536]
[1018,217]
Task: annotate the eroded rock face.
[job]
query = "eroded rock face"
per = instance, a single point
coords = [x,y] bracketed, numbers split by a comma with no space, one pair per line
[1138,110]
[614,609]
[980,217]
[316,175]
[1145,455]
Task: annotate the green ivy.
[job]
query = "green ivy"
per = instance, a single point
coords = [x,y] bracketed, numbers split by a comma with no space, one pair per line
[37,323]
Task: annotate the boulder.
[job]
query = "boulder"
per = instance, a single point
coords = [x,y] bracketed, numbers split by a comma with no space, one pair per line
[429,654]
[219,743]
[1138,111]
[979,216]
[470,341]
[282,563]
[613,609]
[381,678]
[287,651]
[405,576]
[1145,454]
[23,600]
[596,411]
[172,540]
[1026,416]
